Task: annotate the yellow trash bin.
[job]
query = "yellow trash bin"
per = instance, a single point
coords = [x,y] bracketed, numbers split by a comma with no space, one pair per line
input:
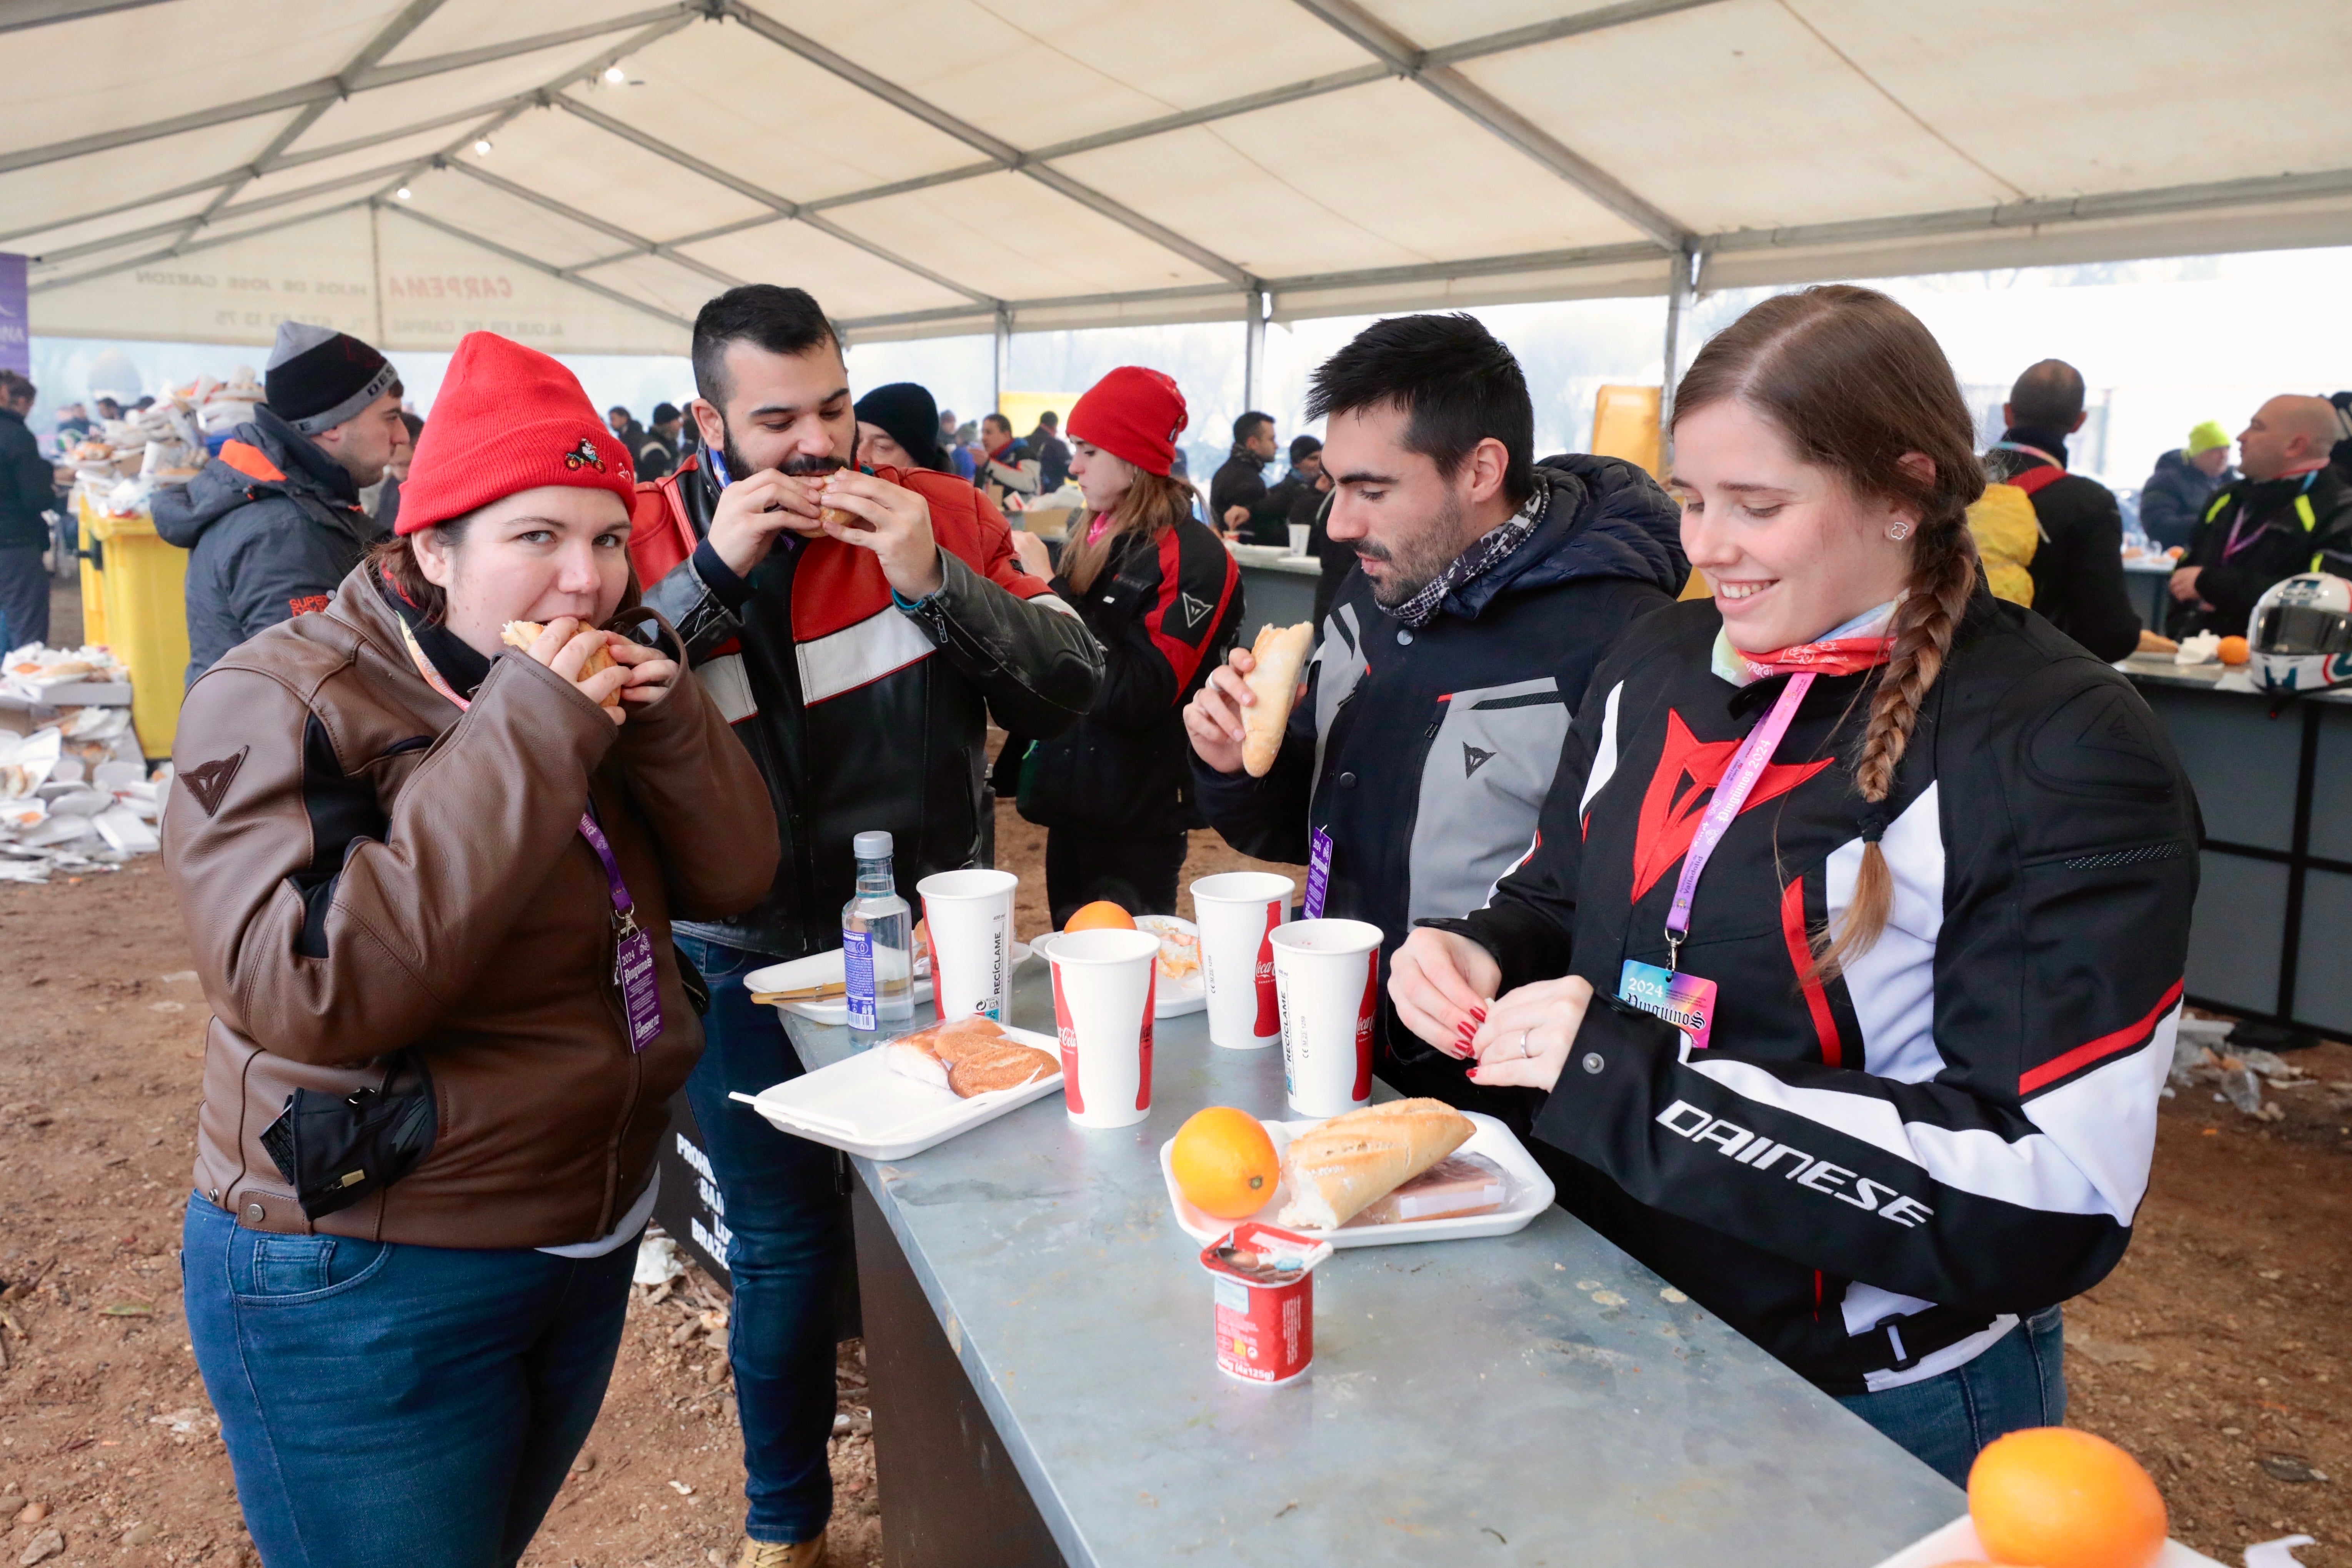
[141,588]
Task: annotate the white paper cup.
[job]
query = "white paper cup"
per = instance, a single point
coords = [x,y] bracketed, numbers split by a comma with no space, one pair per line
[1237,913]
[1103,982]
[1324,975]
[970,914]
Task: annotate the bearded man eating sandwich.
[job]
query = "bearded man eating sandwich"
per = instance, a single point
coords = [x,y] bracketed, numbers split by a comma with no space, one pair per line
[858,628]
[1430,718]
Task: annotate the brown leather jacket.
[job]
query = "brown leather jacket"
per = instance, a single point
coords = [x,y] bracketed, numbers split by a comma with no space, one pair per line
[362,867]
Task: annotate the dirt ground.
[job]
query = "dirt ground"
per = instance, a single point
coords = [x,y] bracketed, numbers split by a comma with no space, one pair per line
[2218,1351]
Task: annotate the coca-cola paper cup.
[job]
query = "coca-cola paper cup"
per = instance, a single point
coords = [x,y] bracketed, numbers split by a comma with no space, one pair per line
[970,914]
[1325,973]
[1237,913]
[1103,982]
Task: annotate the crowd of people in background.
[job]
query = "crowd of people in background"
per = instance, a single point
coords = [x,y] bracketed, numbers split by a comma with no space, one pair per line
[418,853]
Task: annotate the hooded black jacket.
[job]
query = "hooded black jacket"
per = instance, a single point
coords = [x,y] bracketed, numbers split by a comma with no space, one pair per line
[1871,1178]
[1425,753]
[2078,569]
[271,527]
[2176,496]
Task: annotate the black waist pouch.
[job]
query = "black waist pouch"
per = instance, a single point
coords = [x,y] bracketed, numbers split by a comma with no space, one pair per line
[335,1149]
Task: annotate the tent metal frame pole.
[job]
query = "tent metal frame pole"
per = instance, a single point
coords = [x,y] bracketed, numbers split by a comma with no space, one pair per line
[1681,285]
[17,15]
[1253,346]
[535,263]
[588,220]
[209,243]
[1002,359]
[209,218]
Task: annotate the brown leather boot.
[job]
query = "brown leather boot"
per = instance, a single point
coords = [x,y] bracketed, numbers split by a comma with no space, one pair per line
[778,1554]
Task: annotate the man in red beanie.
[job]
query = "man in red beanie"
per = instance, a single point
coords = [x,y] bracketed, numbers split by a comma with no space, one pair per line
[859,628]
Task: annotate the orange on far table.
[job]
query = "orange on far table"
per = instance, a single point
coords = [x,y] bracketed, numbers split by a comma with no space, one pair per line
[1100,915]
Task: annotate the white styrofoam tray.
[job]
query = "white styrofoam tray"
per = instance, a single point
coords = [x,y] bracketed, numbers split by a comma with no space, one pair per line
[1957,1543]
[859,1105]
[1528,1191]
[1169,998]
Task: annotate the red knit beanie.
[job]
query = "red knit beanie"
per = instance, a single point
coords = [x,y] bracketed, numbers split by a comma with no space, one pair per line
[1132,413]
[508,418]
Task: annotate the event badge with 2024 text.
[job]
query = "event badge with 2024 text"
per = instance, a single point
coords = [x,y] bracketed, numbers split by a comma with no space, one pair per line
[1683,1000]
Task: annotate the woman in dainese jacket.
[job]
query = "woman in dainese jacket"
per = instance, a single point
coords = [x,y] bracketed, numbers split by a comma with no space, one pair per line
[1910,873]
[1162,595]
[429,880]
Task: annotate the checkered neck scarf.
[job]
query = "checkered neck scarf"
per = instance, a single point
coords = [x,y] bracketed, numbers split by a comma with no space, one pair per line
[1489,551]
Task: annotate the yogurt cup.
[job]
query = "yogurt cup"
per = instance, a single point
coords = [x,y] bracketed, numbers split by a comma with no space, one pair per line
[1263,1301]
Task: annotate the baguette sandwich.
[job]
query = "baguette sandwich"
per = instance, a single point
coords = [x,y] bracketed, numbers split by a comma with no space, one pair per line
[1336,1170]
[1281,657]
[522,634]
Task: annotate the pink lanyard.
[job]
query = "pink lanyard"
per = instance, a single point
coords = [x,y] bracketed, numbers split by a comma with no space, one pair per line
[2245,512]
[633,950]
[1747,766]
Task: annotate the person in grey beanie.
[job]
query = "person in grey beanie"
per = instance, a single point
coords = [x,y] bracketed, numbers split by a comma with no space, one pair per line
[274,522]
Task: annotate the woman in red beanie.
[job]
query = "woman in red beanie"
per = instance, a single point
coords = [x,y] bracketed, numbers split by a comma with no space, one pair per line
[1162,595]
[429,869]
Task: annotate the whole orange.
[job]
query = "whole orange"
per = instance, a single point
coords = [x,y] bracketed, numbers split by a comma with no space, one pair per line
[1224,1163]
[2233,650]
[2057,1497]
[1100,915]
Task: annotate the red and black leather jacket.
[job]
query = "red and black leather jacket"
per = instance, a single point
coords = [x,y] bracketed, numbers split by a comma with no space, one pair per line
[1166,612]
[862,712]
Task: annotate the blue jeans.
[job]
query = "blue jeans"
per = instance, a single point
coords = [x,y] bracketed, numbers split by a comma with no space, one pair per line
[789,1237]
[389,1406]
[1944,1420]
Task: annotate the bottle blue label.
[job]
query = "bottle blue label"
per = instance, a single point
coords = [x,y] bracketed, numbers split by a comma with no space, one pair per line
[857,970]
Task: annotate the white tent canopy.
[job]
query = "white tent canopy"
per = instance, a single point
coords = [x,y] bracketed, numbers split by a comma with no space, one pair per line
[582,173]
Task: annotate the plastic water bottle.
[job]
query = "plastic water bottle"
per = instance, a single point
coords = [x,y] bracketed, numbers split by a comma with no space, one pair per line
[877,941]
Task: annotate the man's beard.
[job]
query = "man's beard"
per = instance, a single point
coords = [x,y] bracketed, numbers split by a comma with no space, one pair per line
[1414,564]
[802,466]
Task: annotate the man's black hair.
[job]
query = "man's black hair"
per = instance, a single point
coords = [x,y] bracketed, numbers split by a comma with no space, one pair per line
[1456,382]
[1049,420]
[1247,425]
[2049,394]
[780,320]
[1000,421]
[664,413]
[1303,447]
[620,408]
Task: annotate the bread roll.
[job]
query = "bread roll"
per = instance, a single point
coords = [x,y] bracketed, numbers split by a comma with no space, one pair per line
[1338,1168]
[1007,1064]
[1281,654]
[522,634]
[840,519]
[913,1060]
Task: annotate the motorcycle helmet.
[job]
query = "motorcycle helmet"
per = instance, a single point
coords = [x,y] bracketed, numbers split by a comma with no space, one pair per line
[2300,635]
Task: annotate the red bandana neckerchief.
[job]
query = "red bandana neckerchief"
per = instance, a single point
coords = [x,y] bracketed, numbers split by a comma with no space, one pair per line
[1861,643]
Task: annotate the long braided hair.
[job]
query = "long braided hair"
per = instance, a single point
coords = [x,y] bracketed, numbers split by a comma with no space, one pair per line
[1856,384]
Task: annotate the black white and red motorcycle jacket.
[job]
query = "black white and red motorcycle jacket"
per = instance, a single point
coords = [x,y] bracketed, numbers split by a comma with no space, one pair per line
[1872,1178]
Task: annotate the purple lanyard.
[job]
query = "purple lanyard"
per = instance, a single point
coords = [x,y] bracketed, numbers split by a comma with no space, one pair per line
[2245,514]
[633,950]
[1739,782]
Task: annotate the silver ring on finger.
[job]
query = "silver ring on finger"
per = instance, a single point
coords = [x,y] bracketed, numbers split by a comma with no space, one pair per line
[1524,1048]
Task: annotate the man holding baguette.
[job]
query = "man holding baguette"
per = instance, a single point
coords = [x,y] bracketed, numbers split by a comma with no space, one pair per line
[857,628]
[1435,695]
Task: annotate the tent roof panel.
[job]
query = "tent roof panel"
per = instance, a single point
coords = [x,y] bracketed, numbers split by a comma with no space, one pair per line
[848,281]
[73,188]
[733,98]
[1432,24]
[2131,108]
[493,215]
[1817,143]
[583,167]
[190,299]
[1060,69]
[398,151]
[461,24]
[657,280]
[1376,175]
[439,287]
[142,66]
[382,109]
[1010,237]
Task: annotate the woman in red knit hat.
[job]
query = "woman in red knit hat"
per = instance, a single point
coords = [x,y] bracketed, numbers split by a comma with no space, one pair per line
[428,862]
[1162,595]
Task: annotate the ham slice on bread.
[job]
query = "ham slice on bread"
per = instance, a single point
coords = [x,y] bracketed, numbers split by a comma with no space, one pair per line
[967,1057]
[1280,653]
[1339,1168]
